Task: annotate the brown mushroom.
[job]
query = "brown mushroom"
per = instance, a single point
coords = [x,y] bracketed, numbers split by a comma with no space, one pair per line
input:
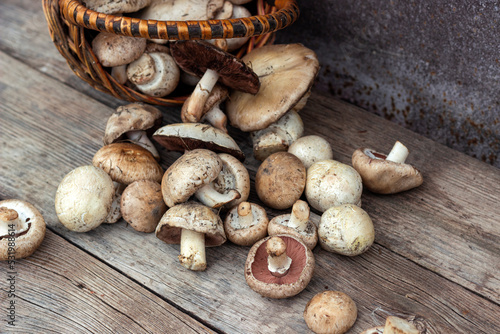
[279,267]
[115,50]
[22,229]
[386,174]
[246,223]
[330,312]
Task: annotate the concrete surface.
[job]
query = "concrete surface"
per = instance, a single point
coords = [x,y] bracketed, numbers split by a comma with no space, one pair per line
[432,66]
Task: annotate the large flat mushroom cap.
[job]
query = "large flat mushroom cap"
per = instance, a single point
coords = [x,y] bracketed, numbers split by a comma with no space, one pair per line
[383,176]
[286,74]
[134,116]
[192,216]
[189,136]
[193,170]
[28,241]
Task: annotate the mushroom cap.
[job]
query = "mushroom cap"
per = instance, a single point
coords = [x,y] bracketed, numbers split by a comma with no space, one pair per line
[190,136]
[83,198]
[195,57]
[165,75]
[396,325]
[332,183]
[280,180]
[246,236]
[286,74]
[27,241]
[115,50]
[330,312]
[127,162]
[234,175]
[259,278]
[191,216]
[346,229]
[193,170]
[310,149]
[117,6]
[134,116]
[142,205]
[383,176]
[279,225]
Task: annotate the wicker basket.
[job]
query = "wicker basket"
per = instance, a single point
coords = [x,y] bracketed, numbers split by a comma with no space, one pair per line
[71,26]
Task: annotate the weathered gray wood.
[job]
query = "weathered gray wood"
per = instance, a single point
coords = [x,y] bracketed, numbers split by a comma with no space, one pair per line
[62,289]
[46,134]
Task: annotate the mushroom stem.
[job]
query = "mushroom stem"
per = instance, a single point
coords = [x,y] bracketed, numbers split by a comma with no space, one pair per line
[214,199]
[140,137]
[245,214]
[9,220]
[398,154]
[278,262]
[216,118]
[299,216]
[192,253]
[200,94]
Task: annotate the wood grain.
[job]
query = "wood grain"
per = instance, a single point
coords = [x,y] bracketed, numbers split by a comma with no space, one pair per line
[45,135]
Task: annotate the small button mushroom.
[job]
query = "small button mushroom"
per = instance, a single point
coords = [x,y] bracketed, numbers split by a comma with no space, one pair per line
[297,224]
[142,205]
[346,229]
[332,183]
[246,223]
[286,74]
[193,226]
[117,6]
[330,312]
[83,198]
[127,162]
[310,149]
[280,180]
[135,122]
[189,136]
[278,136]
[279,267]
[115,50]
[21,221]
[395,325]
[212,65]
[193,174]
[386,174]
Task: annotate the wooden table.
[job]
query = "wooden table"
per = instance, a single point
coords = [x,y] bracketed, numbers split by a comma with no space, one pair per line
[435,259]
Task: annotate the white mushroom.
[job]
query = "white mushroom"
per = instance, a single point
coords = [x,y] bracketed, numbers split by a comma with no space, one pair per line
[116,6]
[310,149]
[159,75]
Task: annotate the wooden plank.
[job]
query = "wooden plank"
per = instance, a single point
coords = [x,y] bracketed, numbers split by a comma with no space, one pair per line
[62,289]
[61,131]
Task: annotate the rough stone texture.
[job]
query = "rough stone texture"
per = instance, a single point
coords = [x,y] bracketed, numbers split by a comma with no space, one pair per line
[432,66]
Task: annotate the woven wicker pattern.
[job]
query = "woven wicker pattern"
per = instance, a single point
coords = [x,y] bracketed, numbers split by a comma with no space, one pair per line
[72,40]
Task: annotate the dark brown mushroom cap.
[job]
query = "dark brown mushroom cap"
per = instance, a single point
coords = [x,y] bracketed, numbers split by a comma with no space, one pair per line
[127,162]
[192,216]
[134,116]
[29,240]
[260,279]
[190,136]
[382,176]
[195,57]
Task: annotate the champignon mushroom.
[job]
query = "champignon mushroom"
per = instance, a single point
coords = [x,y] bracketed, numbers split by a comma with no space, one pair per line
[127,162]
[22,229]
[142,205]
[212,65]
[246,223]
[346,229]
[189,136]
[117,6]
[279,267]
[193,226]
[115,50]
[310,149]
[136,122]
[286,73]
[297,224]
[278,136]
[386,174]
[395,325]
[332,183]
[330,312]
[280,180]
[83,198]
[193,174]
[374,330]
